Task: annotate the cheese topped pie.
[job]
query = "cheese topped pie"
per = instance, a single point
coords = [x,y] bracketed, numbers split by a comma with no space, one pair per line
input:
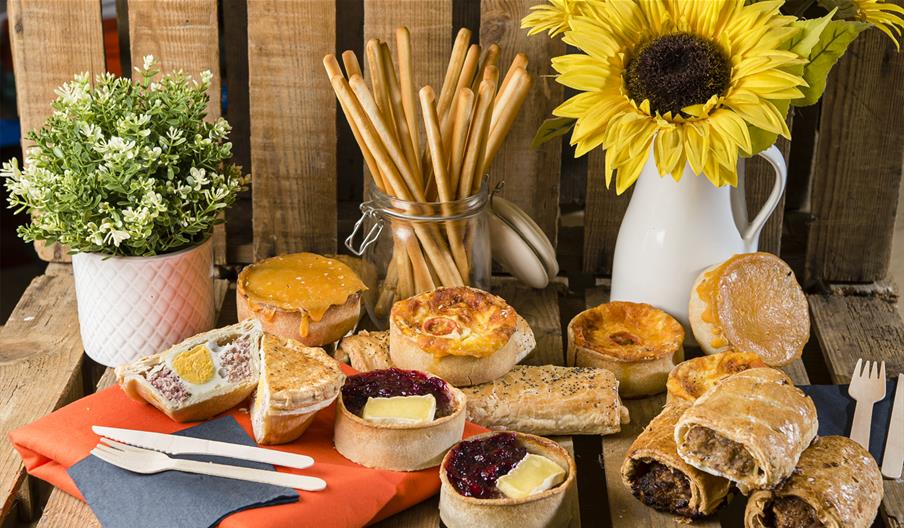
[396,419]
[691,378]
[750,303]
[638,342]
[464,335]
[506,479]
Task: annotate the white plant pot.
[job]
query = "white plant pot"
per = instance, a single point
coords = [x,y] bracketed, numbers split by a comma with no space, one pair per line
[130,307]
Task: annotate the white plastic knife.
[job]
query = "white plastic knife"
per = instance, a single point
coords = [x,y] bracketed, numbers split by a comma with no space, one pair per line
[182,445]
[893,459]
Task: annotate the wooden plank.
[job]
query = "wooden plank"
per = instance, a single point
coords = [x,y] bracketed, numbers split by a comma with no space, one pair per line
[760,179]
[849,327]
[602,216]
[182,36]
[531,175]
[293,126]
[541,310]
[41,355]
[857,165]
[51,41]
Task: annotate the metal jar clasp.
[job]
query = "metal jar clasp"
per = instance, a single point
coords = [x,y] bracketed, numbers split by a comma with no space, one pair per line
[367,211]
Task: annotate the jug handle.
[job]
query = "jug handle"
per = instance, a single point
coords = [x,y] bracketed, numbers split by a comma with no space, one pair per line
[751,233]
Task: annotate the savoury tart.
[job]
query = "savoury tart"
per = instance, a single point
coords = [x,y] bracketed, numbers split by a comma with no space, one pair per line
[312,299]
[751,303]
[397,444]
[639,343]
[464,335]
[691,378]
[470,490]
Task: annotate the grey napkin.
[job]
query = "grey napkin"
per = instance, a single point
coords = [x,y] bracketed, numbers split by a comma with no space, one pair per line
[120,498]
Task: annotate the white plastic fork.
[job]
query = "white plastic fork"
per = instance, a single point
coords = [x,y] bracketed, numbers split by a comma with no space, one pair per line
[145,461]
[867,387]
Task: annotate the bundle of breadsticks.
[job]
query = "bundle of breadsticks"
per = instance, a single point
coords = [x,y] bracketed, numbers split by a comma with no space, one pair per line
[464,130]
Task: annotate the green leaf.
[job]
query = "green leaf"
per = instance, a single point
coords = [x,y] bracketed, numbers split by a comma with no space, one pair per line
[552,128]
[808,36]
[832,44]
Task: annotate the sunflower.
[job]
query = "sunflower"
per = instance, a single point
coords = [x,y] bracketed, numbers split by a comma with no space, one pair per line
[886,16]
[694,79]
[553,17]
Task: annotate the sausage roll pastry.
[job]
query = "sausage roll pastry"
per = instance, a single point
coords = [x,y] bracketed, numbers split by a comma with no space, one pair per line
[836,484]
[751,428]
[659,478]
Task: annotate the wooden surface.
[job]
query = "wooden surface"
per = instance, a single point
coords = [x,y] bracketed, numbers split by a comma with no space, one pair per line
[41,358]
[760,178]
[51,41]
[857,164]
[293,126]
[181,36]
[603,214]
[869,327]
[531,175]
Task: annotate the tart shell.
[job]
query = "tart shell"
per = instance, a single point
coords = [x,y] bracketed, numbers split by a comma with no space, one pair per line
[544,509]
[395,446]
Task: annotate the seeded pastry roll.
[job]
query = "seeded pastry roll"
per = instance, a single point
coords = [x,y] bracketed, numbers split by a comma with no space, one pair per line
[836,484]
[659,478]
[750,428]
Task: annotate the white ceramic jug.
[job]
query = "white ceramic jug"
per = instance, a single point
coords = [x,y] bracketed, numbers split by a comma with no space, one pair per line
[674,230]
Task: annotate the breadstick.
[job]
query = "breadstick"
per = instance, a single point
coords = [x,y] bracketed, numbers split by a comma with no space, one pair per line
[380,79]
[398,113]
[504,115]
[460,123]
[468,69]
[453,71]
[351,63]
[423,280]
[406,78]
[491,74]
[474,153]
[490,58]
[518,63]
[332,69]
[413,190]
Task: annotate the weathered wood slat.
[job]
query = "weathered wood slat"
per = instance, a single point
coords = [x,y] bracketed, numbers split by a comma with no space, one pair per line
[41,359]
[293,126]
[602,216]
[854,326]
[51,41]
[760,180]
[531,175]
[182,36]
[857,164]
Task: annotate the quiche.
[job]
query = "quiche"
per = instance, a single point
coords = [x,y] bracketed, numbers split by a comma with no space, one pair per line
[638,342]
[691,378]
[464,335]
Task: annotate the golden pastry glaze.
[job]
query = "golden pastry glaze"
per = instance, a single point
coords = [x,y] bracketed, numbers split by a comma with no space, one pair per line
[755,303]
[457,321]
[627,331]
[691,378]
[302,282]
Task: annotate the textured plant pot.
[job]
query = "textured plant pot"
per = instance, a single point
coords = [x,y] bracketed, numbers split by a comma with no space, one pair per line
[130,307]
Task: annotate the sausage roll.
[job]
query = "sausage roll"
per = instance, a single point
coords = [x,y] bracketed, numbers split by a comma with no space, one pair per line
[750,428]
[836,484]
[659,478]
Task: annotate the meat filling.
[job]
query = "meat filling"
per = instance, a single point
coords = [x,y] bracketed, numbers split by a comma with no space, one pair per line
[791,512]
[235,359]
[718,452]
[662,488]
[168,383]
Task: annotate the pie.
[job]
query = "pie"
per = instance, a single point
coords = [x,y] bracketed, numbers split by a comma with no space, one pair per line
[691,378]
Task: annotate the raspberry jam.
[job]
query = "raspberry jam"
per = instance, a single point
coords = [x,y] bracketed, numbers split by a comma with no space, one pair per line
[394,382]
[476,465]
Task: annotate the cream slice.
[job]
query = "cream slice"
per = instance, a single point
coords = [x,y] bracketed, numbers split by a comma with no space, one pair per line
[533,474]
[401,410]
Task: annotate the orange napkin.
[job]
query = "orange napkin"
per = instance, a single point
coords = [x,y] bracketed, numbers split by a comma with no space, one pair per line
[355,495]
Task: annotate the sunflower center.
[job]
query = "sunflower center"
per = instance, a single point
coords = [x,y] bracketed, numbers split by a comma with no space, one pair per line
[677,70]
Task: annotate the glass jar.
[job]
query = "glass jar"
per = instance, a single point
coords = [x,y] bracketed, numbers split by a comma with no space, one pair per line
[418,246]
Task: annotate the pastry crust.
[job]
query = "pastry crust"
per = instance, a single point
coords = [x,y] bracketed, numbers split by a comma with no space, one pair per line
[398,447]
[296,382]
[549,400]
[691,378]
[286,318]
[752,303]
[758,412]
[657,444]
[545,509]
[487,338]
[836,477]
[132,377]
[639,343]
[366,351]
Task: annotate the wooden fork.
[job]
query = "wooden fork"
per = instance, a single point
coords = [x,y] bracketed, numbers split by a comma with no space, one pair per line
[867,387]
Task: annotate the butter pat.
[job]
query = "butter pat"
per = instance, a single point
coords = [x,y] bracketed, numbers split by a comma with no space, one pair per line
[535,473]
[403,410]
